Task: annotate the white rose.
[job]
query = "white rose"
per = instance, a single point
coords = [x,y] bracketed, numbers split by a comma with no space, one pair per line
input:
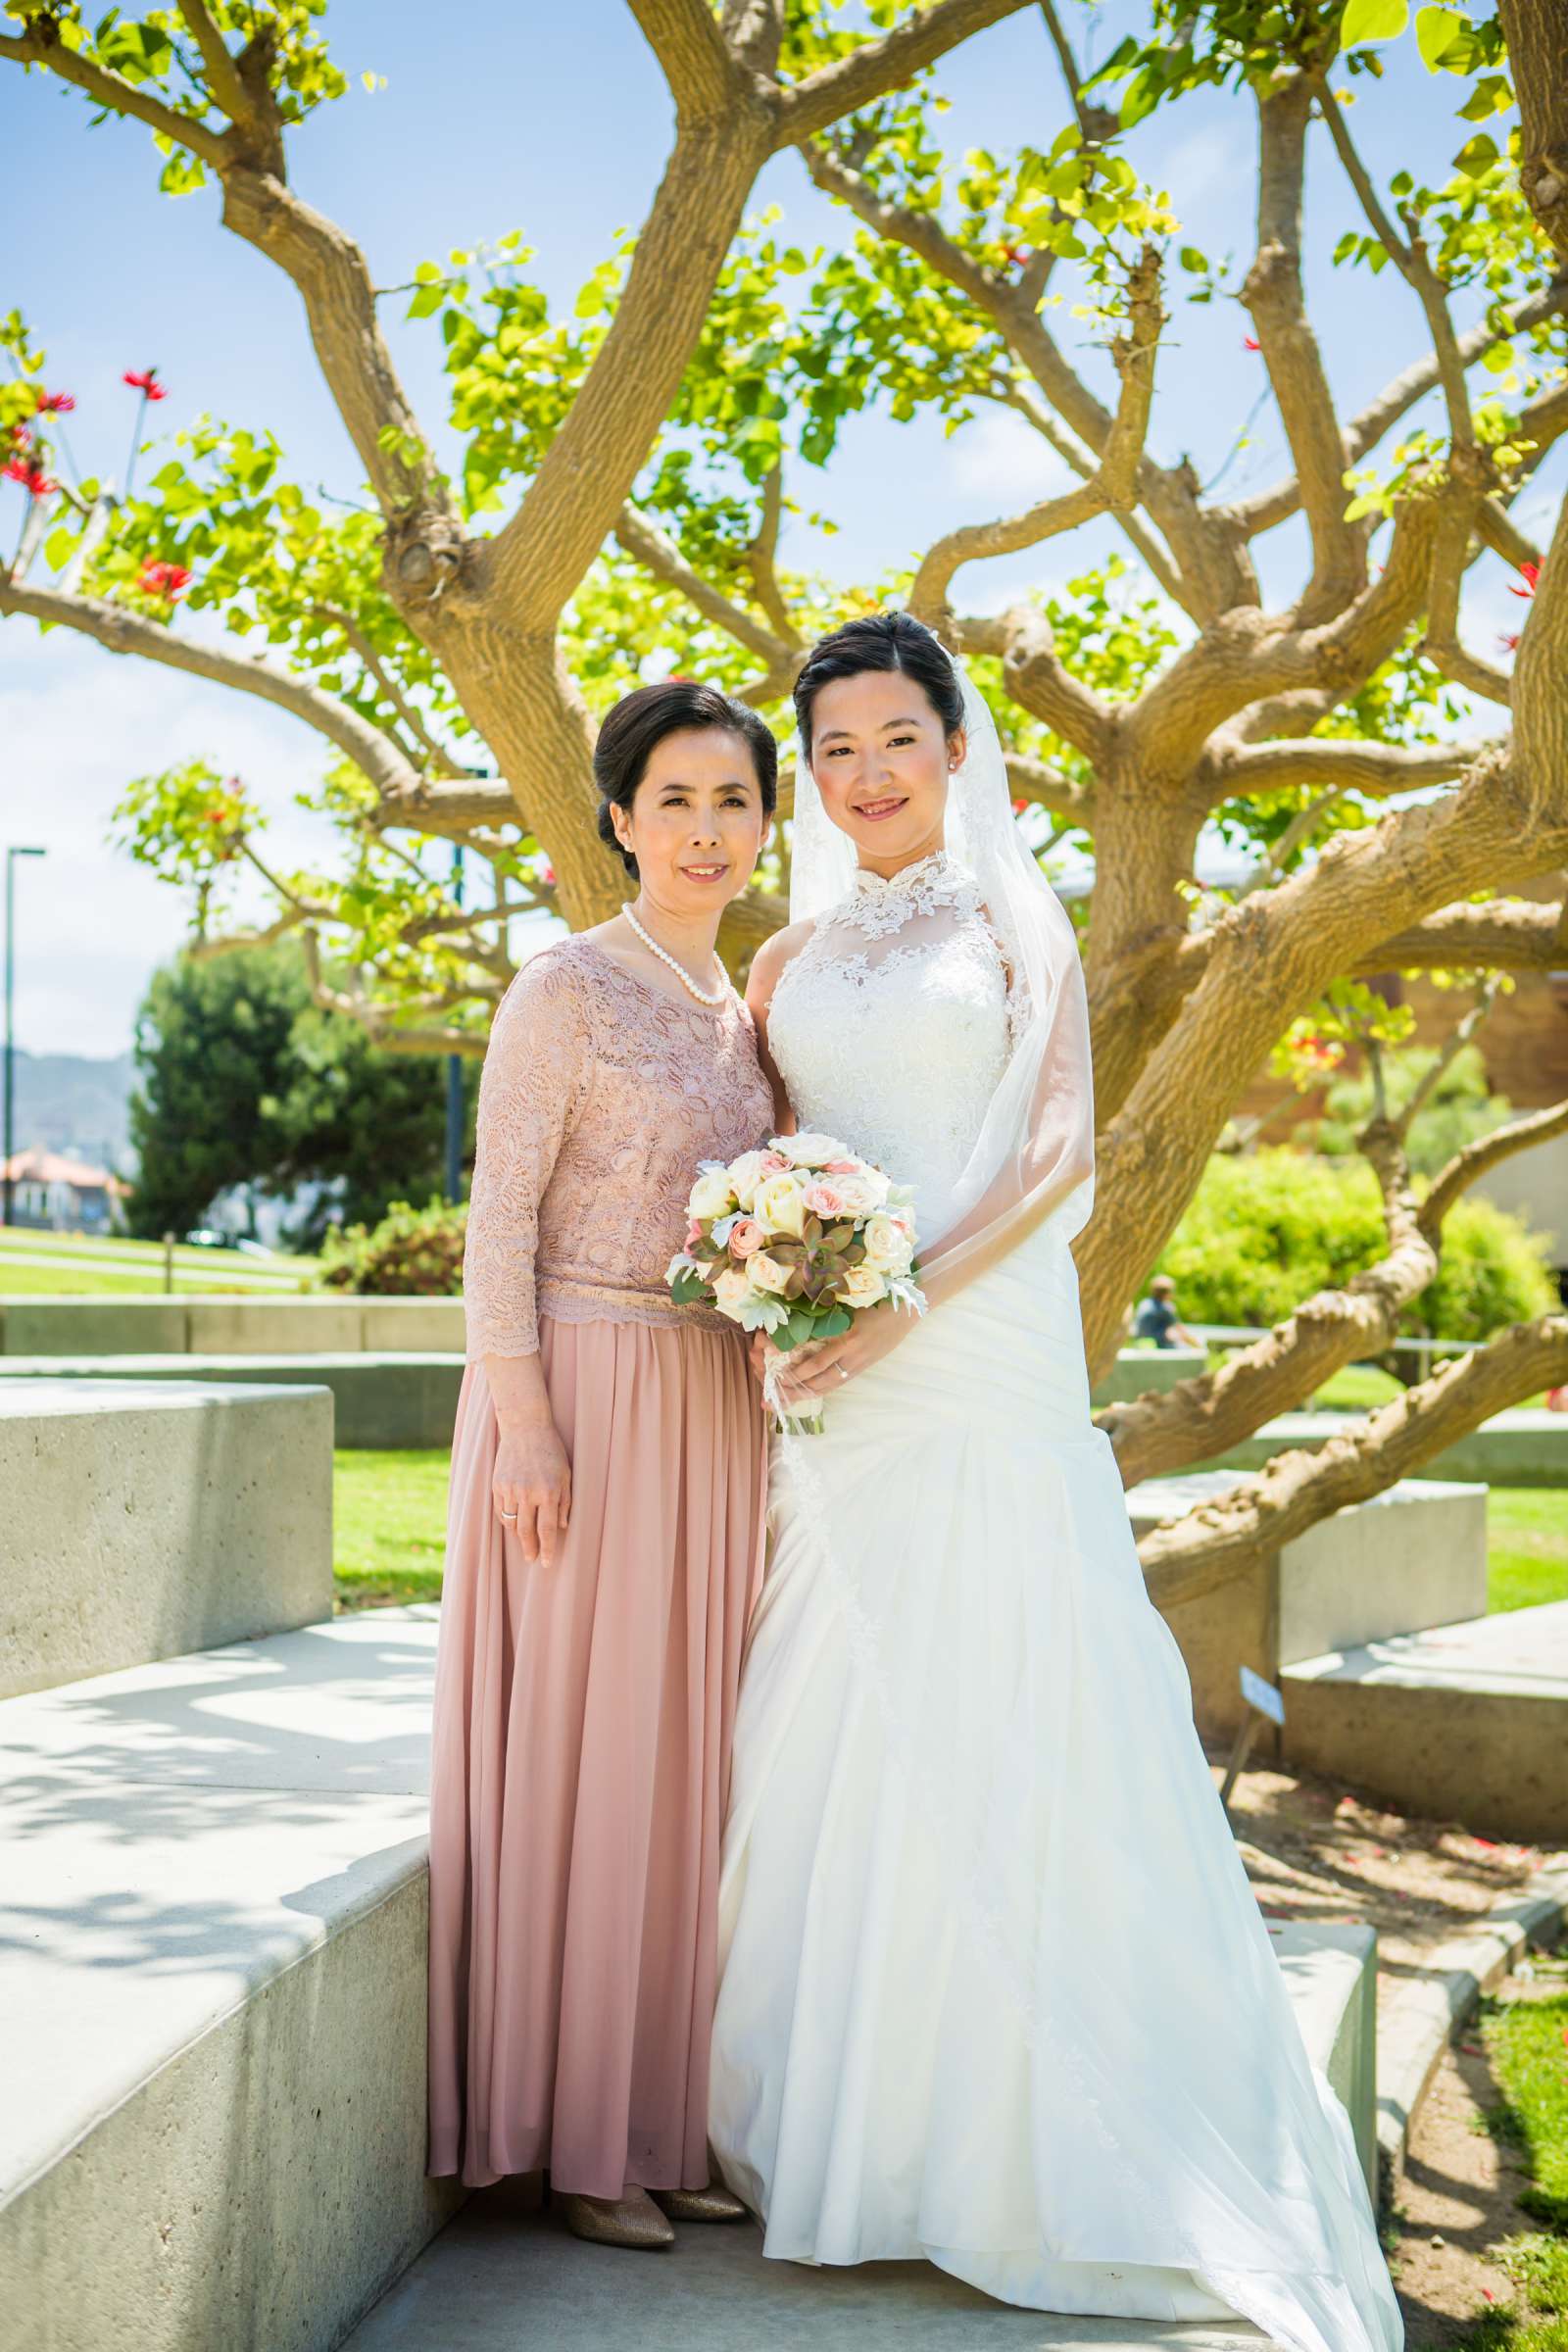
[810,1151]
[860,1192]
[861,1285]
[889,1243]
[745,1175]
[764,1273]
[780,1204]
[710,1194]
[731,1289]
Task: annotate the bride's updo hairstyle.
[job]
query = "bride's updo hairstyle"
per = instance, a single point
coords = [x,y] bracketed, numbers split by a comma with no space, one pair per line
[880,641]
[639,723]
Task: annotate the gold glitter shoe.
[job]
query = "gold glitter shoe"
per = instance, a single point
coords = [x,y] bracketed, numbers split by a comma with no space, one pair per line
[713,2204]
[633,2221]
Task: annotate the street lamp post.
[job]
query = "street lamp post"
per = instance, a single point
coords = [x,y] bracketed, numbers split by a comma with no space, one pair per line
[14,851]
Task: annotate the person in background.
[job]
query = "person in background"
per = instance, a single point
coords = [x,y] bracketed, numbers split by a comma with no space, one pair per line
[1157,1318]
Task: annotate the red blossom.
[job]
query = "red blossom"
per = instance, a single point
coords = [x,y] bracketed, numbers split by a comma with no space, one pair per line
[1250,343]
[18,435]
[1530,574]
[145,381]
[548,876]
[1018,807]
[168,580]
[1018,255]
[1508,639]
[56,404]
[31,476]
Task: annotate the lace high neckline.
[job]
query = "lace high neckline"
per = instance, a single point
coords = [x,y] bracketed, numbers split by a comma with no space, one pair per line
[936,866]
[878,903]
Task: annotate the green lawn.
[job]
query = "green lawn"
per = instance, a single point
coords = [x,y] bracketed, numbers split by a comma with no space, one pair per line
[1527,1545]
[1525,2043]
[75,1265]
[390,1520]
[389,1523]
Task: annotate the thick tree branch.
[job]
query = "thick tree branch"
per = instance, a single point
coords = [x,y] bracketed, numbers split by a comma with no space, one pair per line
[1273,295]
[1206,1416]
[1450,557]
[1538,50]
[41,45]
[1488,1151]
[692,52]
[1037,677]
[1192,1555]
[1317,763]
[865,73]
[1032,780]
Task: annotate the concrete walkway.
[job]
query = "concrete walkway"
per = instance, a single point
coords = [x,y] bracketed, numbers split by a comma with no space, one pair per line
[503,2276]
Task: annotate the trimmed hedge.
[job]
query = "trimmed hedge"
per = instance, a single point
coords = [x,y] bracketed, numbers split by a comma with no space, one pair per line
[417,1252]
[1267,1229]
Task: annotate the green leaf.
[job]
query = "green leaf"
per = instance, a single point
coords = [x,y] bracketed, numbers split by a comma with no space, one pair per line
[829,1326]
[1373,21]
[1435,30]
[1476,156]
[687,1289]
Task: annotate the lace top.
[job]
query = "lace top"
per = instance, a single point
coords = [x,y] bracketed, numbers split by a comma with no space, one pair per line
[893,1025]
[598,1095]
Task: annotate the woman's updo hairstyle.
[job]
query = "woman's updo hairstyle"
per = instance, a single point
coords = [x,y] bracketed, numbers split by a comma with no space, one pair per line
[880,641]
[639,723]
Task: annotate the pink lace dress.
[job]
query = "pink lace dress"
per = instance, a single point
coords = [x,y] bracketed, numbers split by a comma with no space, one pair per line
[582,1719]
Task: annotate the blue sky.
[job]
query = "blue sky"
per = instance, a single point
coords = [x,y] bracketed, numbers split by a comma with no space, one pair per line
[554,121]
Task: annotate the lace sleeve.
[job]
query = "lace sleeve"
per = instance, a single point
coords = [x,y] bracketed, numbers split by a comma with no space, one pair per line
[536,1069]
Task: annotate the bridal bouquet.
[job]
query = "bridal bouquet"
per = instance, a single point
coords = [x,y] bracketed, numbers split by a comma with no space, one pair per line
[796,1239]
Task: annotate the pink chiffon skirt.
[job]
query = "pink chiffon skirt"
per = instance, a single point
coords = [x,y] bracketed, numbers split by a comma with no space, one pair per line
[580,1754]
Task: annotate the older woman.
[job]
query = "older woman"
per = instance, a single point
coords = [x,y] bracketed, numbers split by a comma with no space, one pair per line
[605,1521]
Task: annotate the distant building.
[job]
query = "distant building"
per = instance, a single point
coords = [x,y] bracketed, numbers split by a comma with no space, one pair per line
[58,1195]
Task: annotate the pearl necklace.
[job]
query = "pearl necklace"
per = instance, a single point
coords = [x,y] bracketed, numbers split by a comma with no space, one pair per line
[676,966]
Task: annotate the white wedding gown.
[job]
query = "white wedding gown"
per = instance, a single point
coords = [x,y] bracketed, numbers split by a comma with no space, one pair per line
[995,1990]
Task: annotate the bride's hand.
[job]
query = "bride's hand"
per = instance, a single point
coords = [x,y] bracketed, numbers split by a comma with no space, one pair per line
[824,1366]
[785,1363]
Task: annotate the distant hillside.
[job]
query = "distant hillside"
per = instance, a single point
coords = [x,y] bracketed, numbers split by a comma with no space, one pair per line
[74,1103]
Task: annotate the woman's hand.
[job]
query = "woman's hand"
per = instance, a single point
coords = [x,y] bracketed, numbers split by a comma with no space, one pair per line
[821,1366]
[532,1479]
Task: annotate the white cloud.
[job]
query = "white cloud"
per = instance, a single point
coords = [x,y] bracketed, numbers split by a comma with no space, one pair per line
[998,455]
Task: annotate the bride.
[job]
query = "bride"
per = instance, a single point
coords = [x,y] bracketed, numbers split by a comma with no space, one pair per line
[994,1987]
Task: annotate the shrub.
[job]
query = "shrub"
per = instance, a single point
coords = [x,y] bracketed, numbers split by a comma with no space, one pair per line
[414,1251]
[1266,1230]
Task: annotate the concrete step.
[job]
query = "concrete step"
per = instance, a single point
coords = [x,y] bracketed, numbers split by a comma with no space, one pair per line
[232,1325]
[213,1931]
[1466,1721]
[393,1397]
[213,1912]
[1414,1555]
[1527,1446]
[141,1520]
[503,2276]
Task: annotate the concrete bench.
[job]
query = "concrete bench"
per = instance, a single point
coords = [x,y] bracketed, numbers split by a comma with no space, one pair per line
[399,1400]
[1525,1448]
[213,1993]
[213,2030]
[1413,1556]
[143,1518]
[1465,1722]
[234,1325]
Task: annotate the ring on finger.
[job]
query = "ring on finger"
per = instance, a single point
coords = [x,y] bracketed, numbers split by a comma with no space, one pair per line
[508,1514]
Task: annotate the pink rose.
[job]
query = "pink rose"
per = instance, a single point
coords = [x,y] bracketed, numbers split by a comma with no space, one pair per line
[843,1167]
[823,1202]
[745,1237]
[774,1164]
[694,1234]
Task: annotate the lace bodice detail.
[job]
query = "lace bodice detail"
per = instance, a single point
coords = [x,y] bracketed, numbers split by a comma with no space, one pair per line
[891,1026]
[598,1095]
